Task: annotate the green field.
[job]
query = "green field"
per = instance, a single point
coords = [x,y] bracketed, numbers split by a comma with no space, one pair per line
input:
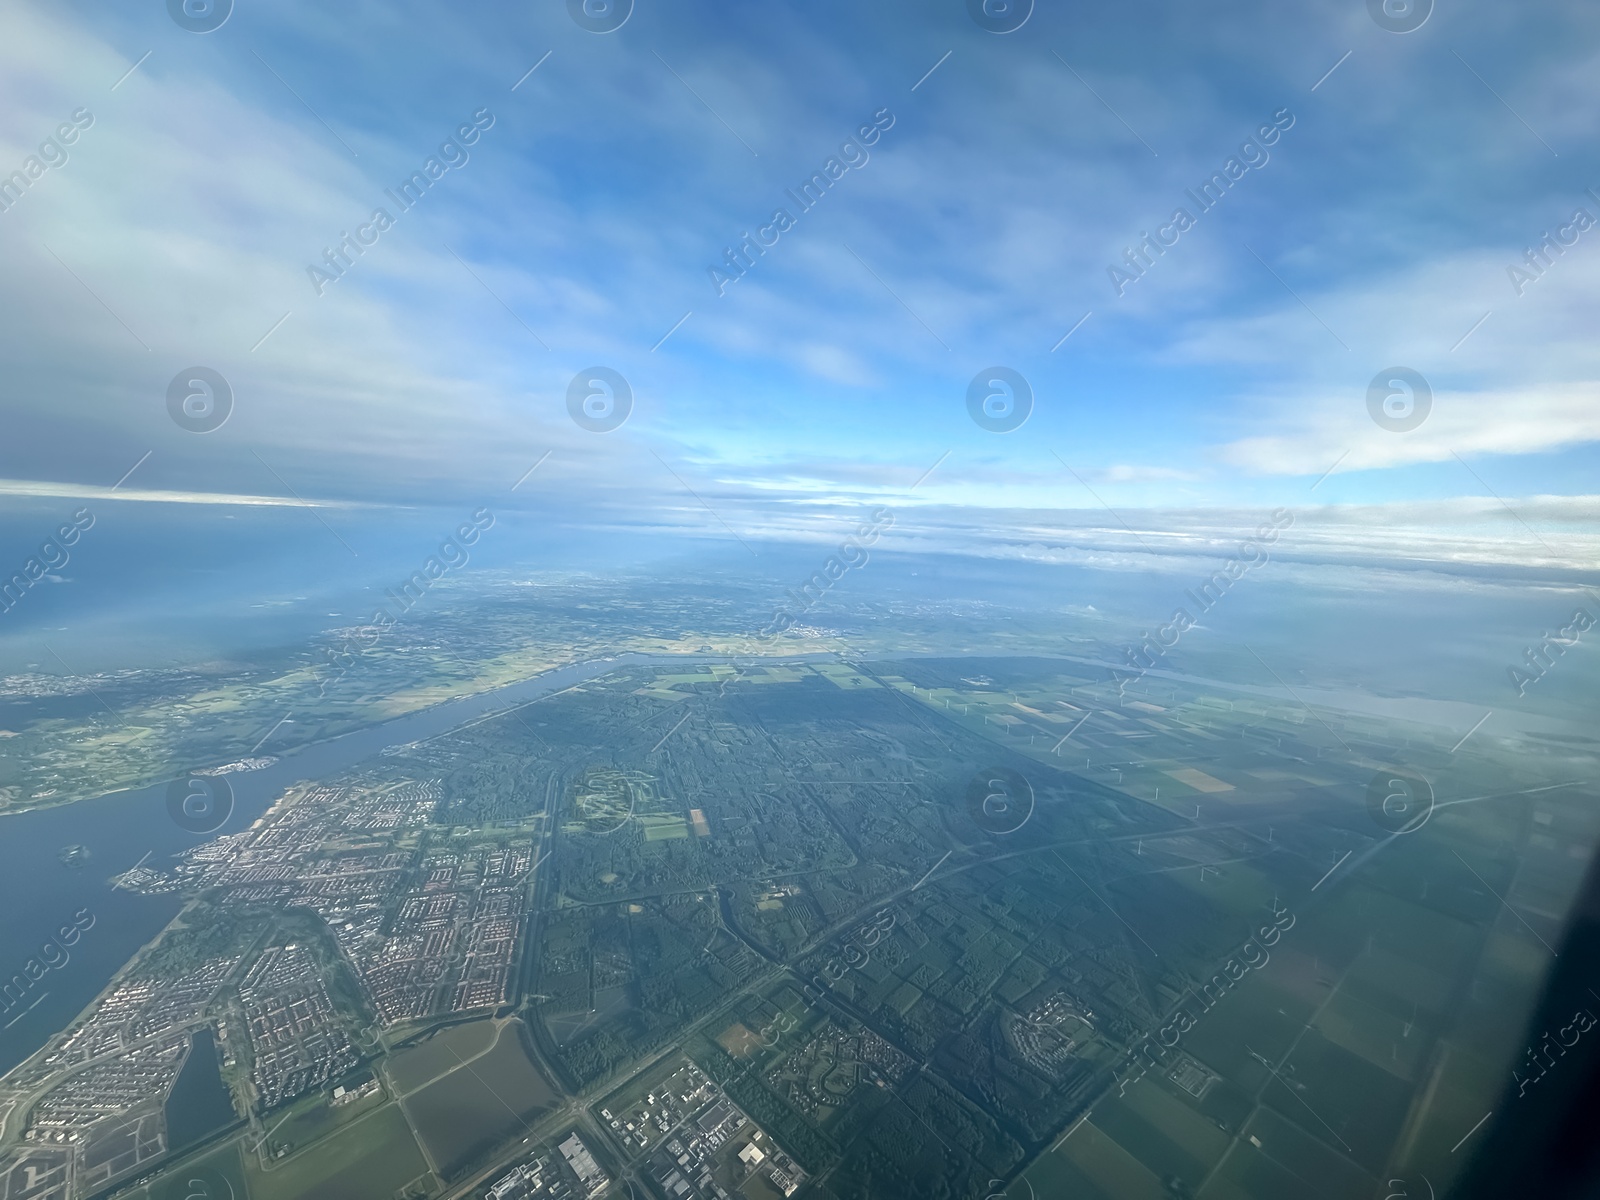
[1092,1165]
[218,1176]
[1301,1146]
[371,1159]
[411,1068]
[663,827]
[1177,1122]
[487,1101]
[314,1117]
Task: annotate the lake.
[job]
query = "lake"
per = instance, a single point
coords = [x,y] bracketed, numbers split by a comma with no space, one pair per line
[198,1105]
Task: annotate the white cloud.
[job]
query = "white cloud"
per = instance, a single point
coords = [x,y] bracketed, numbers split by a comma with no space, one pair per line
[836,365]
[1467,424]
[1133,473]
[35,489]
[195,203]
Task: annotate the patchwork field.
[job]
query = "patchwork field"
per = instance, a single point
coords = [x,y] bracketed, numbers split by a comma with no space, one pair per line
[481,1103]
[440,1054]
[371,1159]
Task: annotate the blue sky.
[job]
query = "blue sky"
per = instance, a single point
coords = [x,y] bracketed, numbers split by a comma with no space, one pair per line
[579,233]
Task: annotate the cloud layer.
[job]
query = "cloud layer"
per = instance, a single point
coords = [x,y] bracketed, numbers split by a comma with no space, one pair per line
[580,231]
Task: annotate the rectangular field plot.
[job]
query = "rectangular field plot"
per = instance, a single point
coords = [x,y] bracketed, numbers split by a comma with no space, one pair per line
[480,1104]
[371,1159]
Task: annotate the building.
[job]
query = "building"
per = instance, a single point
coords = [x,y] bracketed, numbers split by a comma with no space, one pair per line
[583,1164]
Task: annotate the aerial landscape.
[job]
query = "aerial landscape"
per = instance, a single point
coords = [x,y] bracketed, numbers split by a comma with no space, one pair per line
[979,600]
[863,923]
